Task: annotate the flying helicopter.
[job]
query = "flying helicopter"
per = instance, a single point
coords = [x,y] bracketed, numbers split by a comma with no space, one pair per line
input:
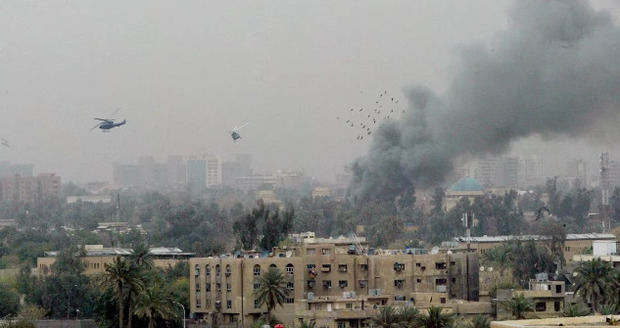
[106,124]
[234,133]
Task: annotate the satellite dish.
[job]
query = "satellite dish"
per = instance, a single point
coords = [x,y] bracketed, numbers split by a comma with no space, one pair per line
[435,250]
[490,269]
[481,269]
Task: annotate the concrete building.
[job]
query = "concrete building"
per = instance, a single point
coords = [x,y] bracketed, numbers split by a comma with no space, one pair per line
[591,321]
[487,171]
[578,169]
[97,257]
[255,182]
[329,285]
[240,167]
[605,250]
[30,189]
[196,174]
[8,170]
[105,199]
[575,244]
[547,296]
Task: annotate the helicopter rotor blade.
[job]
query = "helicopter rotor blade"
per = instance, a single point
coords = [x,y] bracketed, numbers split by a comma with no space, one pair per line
[240,127]
[96,126]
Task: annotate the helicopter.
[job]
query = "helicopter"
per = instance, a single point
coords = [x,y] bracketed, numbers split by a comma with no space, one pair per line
[105,124]
[234,133]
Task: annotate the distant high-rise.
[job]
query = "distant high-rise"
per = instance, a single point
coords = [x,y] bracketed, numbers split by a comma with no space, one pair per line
[177,172]
[532,171]
[126,175]
[24,170]
[487,171]
[197,174]
[510,171]
[579,170]
[240,167]
[30,189]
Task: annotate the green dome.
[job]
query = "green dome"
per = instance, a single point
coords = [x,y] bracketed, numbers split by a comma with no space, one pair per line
[467,184]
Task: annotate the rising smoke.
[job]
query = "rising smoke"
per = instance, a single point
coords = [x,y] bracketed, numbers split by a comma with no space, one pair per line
[554,72]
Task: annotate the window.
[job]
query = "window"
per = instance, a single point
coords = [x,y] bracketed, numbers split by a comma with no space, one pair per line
[557,306]
[197,285]
[326,251]
[208,270]
[419,281]
[197,299]
[398,267]
[452,263]
[418,265]
[342,268]
[290,285]
[363,283]
[541,306]
[256,305]
[257,270]
[208,287]
[399,283]
[343,283]
[349,306]
[228,304]
[311,266]
[341,324]
[290,300]
[273,266]
[364,267]
[197,270]
[327,284]
[290,269]
[442,300]
[227,270]
[441,266]
[228,287]
[558,289]
[256,285]
[310,284]
[218,287]
[326,268]
[441,282]
[454,280]
[310,251]
[218,270]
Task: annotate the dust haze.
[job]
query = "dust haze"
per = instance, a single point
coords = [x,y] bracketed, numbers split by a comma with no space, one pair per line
[183,73]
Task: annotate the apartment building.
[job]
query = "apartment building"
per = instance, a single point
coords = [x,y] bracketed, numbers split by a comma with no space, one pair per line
[547,297]
[30,189]
[329,284]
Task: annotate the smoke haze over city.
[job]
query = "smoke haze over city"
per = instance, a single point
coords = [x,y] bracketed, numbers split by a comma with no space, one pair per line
[183,74]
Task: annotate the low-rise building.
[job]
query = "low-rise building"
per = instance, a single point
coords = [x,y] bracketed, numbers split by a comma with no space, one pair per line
[574,244]
[97,256]
[547,298]
[605,250]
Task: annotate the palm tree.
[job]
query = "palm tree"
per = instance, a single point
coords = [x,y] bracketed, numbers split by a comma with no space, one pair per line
[387,317]
[499,256]
[142,256]
[141,260]
[121,275]
[519,306]
[479,321]
[152,304]
[307,324]
[407,314]
[434,319]
[592,280]
[272,290]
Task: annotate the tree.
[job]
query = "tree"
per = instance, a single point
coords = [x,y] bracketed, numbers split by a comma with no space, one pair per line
[120,275]
[153,304]
[592,281]
[437,201]
[518,306]
[246,227]
[307,324]
[556,237]
[10,301]
[575,310]
[498,256]
[479,321]
[387,317]
[434,319]
[272,290]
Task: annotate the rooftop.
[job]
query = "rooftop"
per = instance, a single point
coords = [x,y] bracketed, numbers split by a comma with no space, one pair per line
[467,184]
[570,236]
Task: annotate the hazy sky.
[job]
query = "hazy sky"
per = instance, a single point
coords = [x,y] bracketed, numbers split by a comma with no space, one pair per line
[185,72]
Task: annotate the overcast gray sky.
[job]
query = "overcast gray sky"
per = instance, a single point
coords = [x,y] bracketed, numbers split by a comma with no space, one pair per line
[185,72]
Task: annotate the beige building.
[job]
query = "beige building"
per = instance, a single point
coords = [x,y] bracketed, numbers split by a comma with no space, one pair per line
[575,244]
[330,285]
[547,297]
[98,256]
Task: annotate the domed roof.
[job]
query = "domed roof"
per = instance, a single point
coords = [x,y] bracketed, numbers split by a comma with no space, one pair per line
[467,184]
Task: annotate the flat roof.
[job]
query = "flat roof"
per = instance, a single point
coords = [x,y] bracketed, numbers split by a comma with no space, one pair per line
[570,236]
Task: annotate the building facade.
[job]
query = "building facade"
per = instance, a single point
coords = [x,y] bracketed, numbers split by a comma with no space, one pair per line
[328,284]
[30,189]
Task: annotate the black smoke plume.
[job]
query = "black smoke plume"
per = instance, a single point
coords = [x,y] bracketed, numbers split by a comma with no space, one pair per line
[554,72]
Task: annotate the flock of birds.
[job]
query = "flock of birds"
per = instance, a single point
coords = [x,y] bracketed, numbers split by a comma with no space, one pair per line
[365,119]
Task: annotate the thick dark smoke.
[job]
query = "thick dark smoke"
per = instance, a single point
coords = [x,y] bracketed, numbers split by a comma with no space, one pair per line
[554,72]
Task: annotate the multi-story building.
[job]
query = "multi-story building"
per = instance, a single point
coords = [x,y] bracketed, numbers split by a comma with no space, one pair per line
[329,284]
[547,296]
[196,174]
[579,170]
[8,170]
[573,245]
[240,167]
[30,189]
[487,171]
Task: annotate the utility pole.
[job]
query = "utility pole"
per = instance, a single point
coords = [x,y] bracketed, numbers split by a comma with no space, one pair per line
[468,219]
